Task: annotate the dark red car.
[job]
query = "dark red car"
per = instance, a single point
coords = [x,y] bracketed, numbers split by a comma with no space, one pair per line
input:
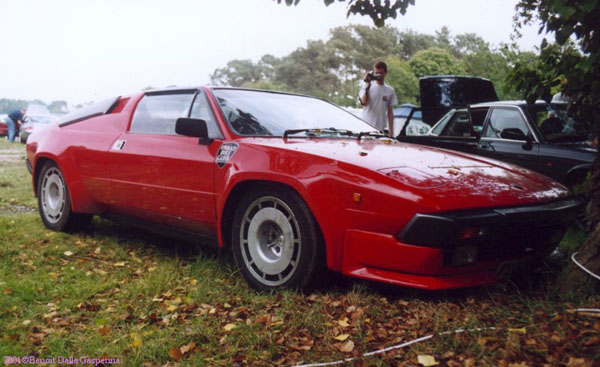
[294,185]
[3,126]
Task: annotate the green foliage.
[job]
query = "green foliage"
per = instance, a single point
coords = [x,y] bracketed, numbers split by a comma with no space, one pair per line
[58,107]
[435,61]
[401,78]
[333,69]
[9,105]
[575,68]
[377,11]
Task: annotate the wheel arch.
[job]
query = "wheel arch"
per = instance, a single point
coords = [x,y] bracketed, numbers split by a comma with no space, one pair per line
[576,175]
[238,191]
[81,201]
[40,162]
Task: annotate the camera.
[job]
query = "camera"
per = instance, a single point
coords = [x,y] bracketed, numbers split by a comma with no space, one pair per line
[373,76]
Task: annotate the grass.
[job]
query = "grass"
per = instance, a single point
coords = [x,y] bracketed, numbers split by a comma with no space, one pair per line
[118,292]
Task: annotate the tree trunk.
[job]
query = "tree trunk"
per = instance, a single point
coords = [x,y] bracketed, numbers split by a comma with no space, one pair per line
[589,253]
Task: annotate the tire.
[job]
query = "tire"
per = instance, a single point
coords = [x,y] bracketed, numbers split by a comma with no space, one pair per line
[54,202]
[276,241]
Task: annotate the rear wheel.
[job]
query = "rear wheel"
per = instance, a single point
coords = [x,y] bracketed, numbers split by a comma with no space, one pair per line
[54,202]
[276,241]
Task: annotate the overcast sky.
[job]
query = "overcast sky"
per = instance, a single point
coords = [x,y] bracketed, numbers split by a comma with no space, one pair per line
[83,50]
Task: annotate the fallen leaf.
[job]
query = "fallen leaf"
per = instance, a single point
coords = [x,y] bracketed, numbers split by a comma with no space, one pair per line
[229,327]
[342,337]
[347,347]
[26,322]
[137,342]
[175,353]
[343,322]
[104,330]
[592,341]
[426,360]
[188,348]
[518,331]
[578,362]
[119,264]
[68,253]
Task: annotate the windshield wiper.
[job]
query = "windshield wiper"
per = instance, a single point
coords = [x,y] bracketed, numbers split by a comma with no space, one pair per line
[317,132]
[373,134]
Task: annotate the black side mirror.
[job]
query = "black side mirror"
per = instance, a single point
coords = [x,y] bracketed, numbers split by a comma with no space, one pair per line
[513,134]
[193,127]
[528,142]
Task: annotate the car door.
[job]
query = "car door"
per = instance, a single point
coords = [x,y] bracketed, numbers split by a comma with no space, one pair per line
[159,174]
[504,137]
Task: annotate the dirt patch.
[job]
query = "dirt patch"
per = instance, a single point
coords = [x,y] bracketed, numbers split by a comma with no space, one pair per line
[12,156]
[15,209]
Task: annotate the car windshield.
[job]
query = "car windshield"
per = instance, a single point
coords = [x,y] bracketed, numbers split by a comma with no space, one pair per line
[557,125]
[41,119]
[260,113]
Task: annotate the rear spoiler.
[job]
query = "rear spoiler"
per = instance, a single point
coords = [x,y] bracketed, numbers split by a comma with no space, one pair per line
[93,110]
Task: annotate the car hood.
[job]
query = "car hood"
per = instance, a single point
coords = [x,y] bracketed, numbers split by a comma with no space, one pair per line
[583,147]
[440,172]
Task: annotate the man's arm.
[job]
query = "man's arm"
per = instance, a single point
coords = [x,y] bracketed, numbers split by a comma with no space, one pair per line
[390,115]
[364,98]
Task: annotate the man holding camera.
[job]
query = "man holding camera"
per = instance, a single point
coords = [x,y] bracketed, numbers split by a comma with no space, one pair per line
[378,99]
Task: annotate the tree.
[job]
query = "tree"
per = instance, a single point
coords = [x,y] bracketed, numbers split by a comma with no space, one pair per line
[412,42]
[378,12]
[59,107]
[309,70]
[435,61]
[401,78]
[576,73]
[236,73]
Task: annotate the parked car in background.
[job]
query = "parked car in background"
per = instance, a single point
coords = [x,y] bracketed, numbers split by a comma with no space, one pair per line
[3,125]
[294,185]
[441,93]
[416,126]
[34,122]
[542,137]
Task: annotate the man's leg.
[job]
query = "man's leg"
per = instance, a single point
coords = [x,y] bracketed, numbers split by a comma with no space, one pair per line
[11,129]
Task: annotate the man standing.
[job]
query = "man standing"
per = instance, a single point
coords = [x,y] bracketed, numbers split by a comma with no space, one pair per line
[378,99]
[14,121]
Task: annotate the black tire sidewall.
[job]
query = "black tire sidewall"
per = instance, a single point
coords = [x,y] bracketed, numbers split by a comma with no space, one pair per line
[310,261]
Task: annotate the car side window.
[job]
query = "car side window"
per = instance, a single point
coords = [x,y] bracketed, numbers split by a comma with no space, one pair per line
[459,125]
[441,124]
[156,114]
[201,110]
[477,118]
[506,123]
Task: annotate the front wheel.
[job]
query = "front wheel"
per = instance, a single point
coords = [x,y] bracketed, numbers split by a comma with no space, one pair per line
[54,202]
[276,240]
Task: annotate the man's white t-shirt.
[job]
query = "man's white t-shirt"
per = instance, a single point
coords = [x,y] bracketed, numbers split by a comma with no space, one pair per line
[380,97]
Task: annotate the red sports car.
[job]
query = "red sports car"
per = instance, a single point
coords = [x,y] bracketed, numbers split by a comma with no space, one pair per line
[294,185]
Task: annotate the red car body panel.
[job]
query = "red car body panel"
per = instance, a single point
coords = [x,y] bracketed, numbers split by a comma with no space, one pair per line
[362,193]
[3,128]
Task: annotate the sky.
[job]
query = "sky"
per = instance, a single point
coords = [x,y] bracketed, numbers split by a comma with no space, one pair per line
[89,50]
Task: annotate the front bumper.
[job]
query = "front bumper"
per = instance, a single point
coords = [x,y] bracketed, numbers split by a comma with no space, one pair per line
[430,252]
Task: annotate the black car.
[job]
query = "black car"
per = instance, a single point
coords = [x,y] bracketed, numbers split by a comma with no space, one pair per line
[542,137]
